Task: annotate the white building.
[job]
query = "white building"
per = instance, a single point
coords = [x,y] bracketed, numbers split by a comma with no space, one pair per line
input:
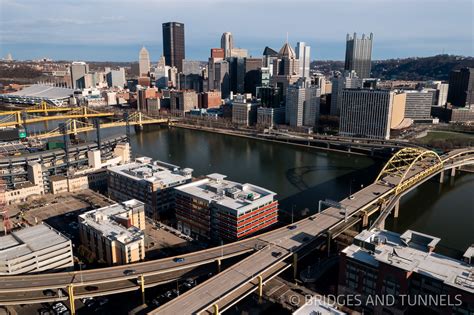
[302,106]
[303,54]
[243,112]
[143,62]
[34,249]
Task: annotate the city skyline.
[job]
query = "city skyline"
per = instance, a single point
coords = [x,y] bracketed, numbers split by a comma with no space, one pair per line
[112,32]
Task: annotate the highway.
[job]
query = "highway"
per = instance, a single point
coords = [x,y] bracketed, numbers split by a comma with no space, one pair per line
[237,280]
[209,296]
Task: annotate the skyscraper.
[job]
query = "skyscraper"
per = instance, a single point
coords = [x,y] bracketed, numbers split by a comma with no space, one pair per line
[303,54]
[370,113]
[359,55]
[143,62]
[285,68]
[173,44]
[302,105]
[227,43]
[78,70]
[461,87]
[348,80]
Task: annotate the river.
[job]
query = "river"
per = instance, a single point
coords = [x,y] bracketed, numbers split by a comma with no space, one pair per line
[302,176]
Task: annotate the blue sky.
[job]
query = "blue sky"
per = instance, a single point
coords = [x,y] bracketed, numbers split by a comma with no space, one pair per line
[116,29]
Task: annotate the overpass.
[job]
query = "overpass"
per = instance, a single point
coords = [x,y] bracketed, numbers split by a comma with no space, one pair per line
[271,253]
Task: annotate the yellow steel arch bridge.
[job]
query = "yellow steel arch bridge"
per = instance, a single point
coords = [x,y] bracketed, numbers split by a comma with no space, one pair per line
[41,113]
[74,126]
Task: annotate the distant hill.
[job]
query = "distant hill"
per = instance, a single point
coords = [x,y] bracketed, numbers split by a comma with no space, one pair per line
[426,68]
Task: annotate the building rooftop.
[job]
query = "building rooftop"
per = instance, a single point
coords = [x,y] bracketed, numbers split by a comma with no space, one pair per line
[157,171]
[44,91]
[29,240]
[227,194]
[413,252]
[103,221]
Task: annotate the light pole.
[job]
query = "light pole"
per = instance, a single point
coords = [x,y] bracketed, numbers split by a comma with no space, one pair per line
[292,213]
[80,269]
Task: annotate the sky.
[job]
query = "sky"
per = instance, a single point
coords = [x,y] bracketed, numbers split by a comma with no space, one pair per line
[115,30]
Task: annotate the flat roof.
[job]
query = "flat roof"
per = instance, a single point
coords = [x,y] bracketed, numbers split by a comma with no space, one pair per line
[102,220]
[44,91]
[29,240]
[143,169]
[410,252]
[227,194]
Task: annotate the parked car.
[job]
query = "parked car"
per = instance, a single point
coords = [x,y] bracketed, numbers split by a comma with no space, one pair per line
[178,259]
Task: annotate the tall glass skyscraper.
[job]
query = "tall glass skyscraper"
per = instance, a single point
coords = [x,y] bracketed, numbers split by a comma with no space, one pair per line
[359,55]
[173,44]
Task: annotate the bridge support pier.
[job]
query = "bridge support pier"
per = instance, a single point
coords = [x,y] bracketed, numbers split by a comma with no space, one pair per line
[453,172]
[396,209]
[260,289]
[142,287]
[365,220]
[72,306]
[329,243]
[295,265]
[441,177]
[218,261]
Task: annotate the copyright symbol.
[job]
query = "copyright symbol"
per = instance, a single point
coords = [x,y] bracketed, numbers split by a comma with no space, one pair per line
[294,300]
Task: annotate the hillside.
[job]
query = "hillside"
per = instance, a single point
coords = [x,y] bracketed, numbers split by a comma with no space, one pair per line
[426,68]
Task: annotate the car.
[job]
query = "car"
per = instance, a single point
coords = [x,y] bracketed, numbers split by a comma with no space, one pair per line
[276,254]
[312,218]
[129,272]
[292,227]
[49,292]
[156,302]
[91,288]
[376,193]
[168,294]
[351,197]
[178,259]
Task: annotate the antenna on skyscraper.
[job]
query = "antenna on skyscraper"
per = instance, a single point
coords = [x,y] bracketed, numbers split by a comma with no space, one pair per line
[287,37]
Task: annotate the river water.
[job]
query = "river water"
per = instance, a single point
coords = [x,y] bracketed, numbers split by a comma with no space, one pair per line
[303,176]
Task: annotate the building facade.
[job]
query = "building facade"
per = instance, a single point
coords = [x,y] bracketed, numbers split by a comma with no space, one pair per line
[359,55]
[461,87]
[302,106]
[174,44]
[227,44]
[303,52]
[215,208]
[285,69]
[244,112]
[183,101]
[418,104]
[143,62]
[370,113]
[149,182]
[34,249]
[405,267]
[114,234]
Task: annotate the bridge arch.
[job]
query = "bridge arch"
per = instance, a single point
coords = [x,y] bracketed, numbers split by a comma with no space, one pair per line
[404,161]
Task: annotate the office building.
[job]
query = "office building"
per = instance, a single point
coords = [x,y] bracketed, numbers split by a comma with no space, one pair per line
[236,74]
[440,96]
[34,249]
[239,53]
[270,117]
[418,104]
[116,78]
[192,67]
[115,234]
[143,62]
[183,101]
[406,267]
[216,208]
[78,70]
[161,74]
[218,53]
[173,44]
[244,112]
[147,181]
[461,88]
[348,80]
[285,69]
[269,57]
[227,44]
[252,74]
[270,96]
[302,106]
[303,54]
[210,99]
[219,77]
[359,55]
[371,113]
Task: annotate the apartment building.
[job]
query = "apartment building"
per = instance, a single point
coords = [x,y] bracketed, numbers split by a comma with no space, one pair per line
[149,181]
[115,234]
[216,208]
[384,263]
